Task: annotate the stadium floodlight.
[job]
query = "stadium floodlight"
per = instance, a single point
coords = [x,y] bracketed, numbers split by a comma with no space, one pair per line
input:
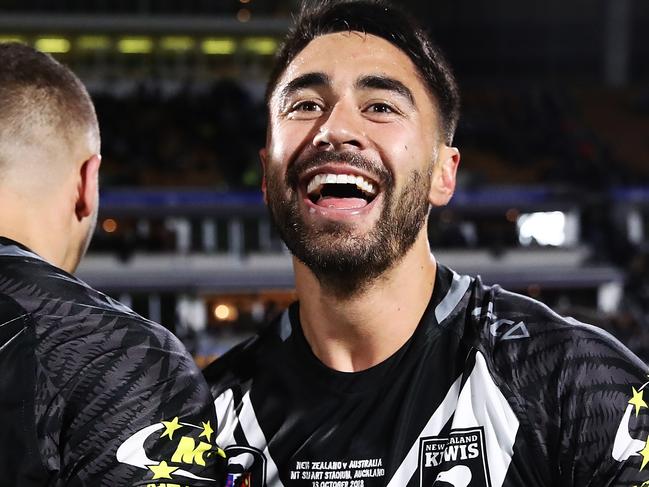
[261,45]
[56,45]
[12,38]
[135,45]
[542,228]
[222,46]
[177,43]
[93,43]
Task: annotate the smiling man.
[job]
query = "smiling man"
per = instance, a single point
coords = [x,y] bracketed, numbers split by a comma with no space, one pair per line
[349,167]
[391,369]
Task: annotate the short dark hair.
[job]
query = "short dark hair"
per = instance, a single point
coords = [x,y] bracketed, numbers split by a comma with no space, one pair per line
[37,90]
[379,18]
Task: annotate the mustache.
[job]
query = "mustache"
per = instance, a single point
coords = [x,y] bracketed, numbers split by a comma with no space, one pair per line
[353,159]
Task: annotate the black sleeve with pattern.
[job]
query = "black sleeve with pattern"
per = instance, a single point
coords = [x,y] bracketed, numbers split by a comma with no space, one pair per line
[603,419]
[580,396]
[138,413]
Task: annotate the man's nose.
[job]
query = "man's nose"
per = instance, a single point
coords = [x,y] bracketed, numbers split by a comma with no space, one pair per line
[342,130]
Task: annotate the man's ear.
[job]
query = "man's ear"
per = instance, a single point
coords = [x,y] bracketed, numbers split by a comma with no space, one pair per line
[263,158]
[87,187]
[444,176]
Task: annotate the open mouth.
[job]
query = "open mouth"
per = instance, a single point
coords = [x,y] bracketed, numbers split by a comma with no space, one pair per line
[341,191]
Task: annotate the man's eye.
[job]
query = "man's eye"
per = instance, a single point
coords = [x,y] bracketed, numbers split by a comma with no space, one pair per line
[306,106]
[380,108]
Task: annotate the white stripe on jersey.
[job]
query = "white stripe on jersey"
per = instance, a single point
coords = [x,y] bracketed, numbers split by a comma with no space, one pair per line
[15,251]
[433,427]
[255,437]
[247,419]
[226,419]
[9,340]
[285,328]
[482,404]
[459,286]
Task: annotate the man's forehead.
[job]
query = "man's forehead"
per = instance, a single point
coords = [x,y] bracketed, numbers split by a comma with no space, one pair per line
[352,55]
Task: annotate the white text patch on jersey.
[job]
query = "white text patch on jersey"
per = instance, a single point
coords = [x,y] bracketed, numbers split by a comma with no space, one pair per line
[477,451]
[479,448]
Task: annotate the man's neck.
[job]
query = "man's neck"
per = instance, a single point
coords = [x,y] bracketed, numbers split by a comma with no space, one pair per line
[33,226]
[363,330]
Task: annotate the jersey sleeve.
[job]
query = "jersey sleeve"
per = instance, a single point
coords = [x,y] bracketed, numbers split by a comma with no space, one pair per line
[139,413]
[580,395]
[604,415]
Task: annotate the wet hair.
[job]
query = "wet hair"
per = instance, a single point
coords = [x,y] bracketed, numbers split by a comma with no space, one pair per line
[379,18]
[36,91]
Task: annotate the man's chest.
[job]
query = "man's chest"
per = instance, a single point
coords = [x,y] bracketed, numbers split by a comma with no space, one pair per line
[413,431]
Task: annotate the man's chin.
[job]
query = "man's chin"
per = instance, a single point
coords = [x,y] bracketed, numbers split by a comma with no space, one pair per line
[342,265]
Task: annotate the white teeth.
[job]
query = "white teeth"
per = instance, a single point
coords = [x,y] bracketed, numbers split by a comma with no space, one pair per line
[316,183]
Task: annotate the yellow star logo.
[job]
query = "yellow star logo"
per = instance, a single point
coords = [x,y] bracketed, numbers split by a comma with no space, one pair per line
[207,430]
[162,470]
[638,401]
[170,427]
[645,454]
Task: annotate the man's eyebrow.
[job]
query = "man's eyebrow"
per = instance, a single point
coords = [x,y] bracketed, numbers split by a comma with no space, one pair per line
[378,82]
[308,80]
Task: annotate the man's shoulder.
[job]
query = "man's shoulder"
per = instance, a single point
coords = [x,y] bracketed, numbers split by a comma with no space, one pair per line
[44,290]
[496,319]
[75,322]
[544,358]
[515,324]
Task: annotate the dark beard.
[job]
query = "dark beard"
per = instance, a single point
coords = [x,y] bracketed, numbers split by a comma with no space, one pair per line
[344,263]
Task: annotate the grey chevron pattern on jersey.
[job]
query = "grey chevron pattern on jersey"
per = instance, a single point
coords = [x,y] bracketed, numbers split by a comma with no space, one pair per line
[93,374]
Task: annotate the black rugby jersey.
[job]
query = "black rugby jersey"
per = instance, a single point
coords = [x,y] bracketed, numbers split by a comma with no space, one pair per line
[493,389]
[91,394]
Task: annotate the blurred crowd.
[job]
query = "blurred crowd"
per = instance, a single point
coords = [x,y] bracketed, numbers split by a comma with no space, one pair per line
[556,136]
[209,136]
[192,137]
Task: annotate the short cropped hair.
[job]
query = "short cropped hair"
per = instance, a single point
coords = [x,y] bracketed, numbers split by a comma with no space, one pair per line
[36,91]
[379,18]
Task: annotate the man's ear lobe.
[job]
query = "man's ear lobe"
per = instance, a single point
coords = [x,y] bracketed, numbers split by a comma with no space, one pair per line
[263,158]
[87,187]
[444,176]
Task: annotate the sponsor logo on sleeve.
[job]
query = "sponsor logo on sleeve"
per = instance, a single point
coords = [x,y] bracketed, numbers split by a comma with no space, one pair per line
[172,452]
[625,444]
[502,328]
[456,460]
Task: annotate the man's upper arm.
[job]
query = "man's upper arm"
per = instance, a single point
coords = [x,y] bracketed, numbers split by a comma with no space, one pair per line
[604,414]
[140,413]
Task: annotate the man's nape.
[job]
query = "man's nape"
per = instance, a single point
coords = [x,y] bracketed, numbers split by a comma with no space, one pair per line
[49,143]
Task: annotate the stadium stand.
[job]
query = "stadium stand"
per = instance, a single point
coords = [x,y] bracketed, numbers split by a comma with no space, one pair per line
[554,190]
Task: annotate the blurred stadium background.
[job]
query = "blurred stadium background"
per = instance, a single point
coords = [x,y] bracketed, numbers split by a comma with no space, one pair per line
[553,199]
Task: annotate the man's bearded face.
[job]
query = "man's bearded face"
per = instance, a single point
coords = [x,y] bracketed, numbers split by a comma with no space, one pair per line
[335,250]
